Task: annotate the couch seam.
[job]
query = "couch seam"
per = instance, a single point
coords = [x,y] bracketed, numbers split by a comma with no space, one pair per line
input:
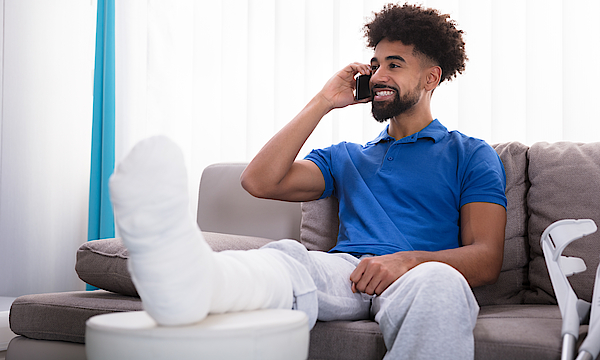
[78,307]
[523,346]
[518,317]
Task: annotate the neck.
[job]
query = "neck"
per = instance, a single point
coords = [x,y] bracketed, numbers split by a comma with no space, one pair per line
[409,123]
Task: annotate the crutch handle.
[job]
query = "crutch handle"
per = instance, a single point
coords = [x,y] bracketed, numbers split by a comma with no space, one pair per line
[563,232]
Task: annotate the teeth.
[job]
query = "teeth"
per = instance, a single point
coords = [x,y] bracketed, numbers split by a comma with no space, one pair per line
[385,93]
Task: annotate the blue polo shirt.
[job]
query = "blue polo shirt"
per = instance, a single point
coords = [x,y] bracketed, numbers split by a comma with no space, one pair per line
[406,194]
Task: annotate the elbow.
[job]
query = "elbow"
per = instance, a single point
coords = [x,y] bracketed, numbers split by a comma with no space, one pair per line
[253,186]
[489,276]
[482,280]
[248,184]
[493,273]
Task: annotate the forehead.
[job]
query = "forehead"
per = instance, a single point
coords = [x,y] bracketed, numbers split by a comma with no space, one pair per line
[387,49]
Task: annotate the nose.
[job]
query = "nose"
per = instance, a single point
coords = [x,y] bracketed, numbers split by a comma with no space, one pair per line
[379,77]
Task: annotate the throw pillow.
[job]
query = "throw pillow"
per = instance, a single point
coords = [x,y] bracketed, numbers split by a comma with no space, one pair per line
[103,264]
[320,224]
[565,184]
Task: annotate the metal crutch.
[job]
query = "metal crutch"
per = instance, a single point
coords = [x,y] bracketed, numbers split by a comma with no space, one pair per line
[554,240]
[590,347]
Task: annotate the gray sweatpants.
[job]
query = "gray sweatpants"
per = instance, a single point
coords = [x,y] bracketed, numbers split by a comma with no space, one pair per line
[430,312]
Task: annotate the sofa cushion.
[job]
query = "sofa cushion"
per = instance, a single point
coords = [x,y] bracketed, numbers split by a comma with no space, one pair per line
[62,316]
[565,184]
[502,332]
[103,263]
[520,332]
[346,340]
[512,282]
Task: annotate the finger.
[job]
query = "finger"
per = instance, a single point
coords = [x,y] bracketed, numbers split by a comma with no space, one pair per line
[383,285]
[364,282]
[353,287]
[358,271]
[363,69]
[373,285]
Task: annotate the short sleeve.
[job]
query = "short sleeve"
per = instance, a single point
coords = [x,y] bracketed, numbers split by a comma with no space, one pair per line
[484,178]
[322,158]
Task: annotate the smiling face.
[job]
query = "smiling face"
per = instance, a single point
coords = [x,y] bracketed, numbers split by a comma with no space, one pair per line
[389,103]
[397,79]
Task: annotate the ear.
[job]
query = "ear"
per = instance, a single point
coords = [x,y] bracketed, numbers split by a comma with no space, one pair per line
[433,77]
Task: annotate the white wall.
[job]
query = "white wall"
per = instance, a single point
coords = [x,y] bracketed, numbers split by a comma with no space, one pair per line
[46,117]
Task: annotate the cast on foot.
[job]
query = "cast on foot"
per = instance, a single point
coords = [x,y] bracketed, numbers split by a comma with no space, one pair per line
[170,263]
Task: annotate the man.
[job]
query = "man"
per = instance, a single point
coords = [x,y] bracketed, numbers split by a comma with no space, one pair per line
[422,210]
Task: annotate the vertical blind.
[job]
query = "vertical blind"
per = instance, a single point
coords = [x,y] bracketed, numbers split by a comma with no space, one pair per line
[221,77]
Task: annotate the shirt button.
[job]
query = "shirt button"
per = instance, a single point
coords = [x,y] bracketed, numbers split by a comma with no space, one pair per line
[390,158]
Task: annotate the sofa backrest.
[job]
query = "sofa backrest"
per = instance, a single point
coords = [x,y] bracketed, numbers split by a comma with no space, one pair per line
[225,207]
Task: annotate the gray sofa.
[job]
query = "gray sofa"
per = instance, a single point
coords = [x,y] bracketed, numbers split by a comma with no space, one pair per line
[519,318]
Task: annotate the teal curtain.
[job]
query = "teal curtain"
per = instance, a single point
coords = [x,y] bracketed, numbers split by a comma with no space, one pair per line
[101,219]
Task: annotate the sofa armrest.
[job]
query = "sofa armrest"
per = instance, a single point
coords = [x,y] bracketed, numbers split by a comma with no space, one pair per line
[225,207]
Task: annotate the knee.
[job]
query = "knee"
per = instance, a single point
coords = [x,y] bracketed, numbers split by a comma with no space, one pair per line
[438,272]
[432,290]
[290,247]
[286,244]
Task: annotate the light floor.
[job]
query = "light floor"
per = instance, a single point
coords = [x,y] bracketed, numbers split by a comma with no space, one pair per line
[2,355]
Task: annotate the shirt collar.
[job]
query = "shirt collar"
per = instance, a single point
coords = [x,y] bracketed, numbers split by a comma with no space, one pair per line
[435,131]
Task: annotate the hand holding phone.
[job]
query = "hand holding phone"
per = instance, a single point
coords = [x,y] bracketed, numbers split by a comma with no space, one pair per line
[363,90]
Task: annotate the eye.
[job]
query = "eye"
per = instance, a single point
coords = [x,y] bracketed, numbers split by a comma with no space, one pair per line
[374,68]
[394,66]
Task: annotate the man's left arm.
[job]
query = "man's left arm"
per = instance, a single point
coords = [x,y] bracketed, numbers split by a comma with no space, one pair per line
[479,258]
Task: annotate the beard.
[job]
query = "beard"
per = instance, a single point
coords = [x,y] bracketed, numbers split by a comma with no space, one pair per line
[384,110]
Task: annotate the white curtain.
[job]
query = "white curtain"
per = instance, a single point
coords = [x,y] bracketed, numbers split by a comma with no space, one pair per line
[47,67]
[221,77]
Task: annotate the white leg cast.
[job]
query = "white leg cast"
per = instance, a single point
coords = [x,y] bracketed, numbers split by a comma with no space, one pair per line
[179,278]
[249,280]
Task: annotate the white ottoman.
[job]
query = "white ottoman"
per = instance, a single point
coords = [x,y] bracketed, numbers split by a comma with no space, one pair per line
[259,335]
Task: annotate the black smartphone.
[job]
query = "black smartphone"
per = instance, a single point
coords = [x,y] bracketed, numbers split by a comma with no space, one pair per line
[363,90]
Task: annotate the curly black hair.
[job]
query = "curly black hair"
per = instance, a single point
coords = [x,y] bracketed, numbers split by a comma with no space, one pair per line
[432,34]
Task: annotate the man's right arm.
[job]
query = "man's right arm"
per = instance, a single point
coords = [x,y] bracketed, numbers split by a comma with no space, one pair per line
[274,173]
